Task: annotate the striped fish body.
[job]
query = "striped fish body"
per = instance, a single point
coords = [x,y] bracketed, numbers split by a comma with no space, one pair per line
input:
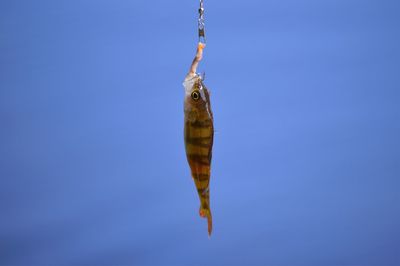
[198,135]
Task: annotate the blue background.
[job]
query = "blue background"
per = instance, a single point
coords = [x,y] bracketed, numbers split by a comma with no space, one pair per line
[306,166]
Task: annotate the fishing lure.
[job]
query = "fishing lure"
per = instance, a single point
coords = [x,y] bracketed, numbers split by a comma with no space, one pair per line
[199,134]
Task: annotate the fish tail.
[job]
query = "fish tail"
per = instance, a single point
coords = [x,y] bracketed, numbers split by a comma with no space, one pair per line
[209,222]
[205,211]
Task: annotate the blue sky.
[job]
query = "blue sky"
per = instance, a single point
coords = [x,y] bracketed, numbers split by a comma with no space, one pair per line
[305,96]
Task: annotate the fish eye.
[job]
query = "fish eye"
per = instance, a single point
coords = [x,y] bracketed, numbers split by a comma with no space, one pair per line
[196,95]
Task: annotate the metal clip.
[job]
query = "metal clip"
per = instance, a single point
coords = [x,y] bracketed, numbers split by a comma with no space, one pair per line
[202,34]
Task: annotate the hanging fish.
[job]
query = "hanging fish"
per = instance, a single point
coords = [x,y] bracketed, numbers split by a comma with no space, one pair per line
[199,134]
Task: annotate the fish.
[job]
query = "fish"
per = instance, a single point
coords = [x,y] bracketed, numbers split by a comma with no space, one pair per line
[199,134]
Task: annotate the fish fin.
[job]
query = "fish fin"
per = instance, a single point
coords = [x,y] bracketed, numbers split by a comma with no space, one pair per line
[209,222]
[206,213]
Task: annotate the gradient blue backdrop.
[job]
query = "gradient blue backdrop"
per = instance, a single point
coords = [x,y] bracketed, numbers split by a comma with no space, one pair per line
[306,166]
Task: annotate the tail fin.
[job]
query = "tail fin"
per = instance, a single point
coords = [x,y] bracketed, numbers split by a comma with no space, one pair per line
[209,221]
[206,213]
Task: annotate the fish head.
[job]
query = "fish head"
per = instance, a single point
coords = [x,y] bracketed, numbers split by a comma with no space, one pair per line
[196,94]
